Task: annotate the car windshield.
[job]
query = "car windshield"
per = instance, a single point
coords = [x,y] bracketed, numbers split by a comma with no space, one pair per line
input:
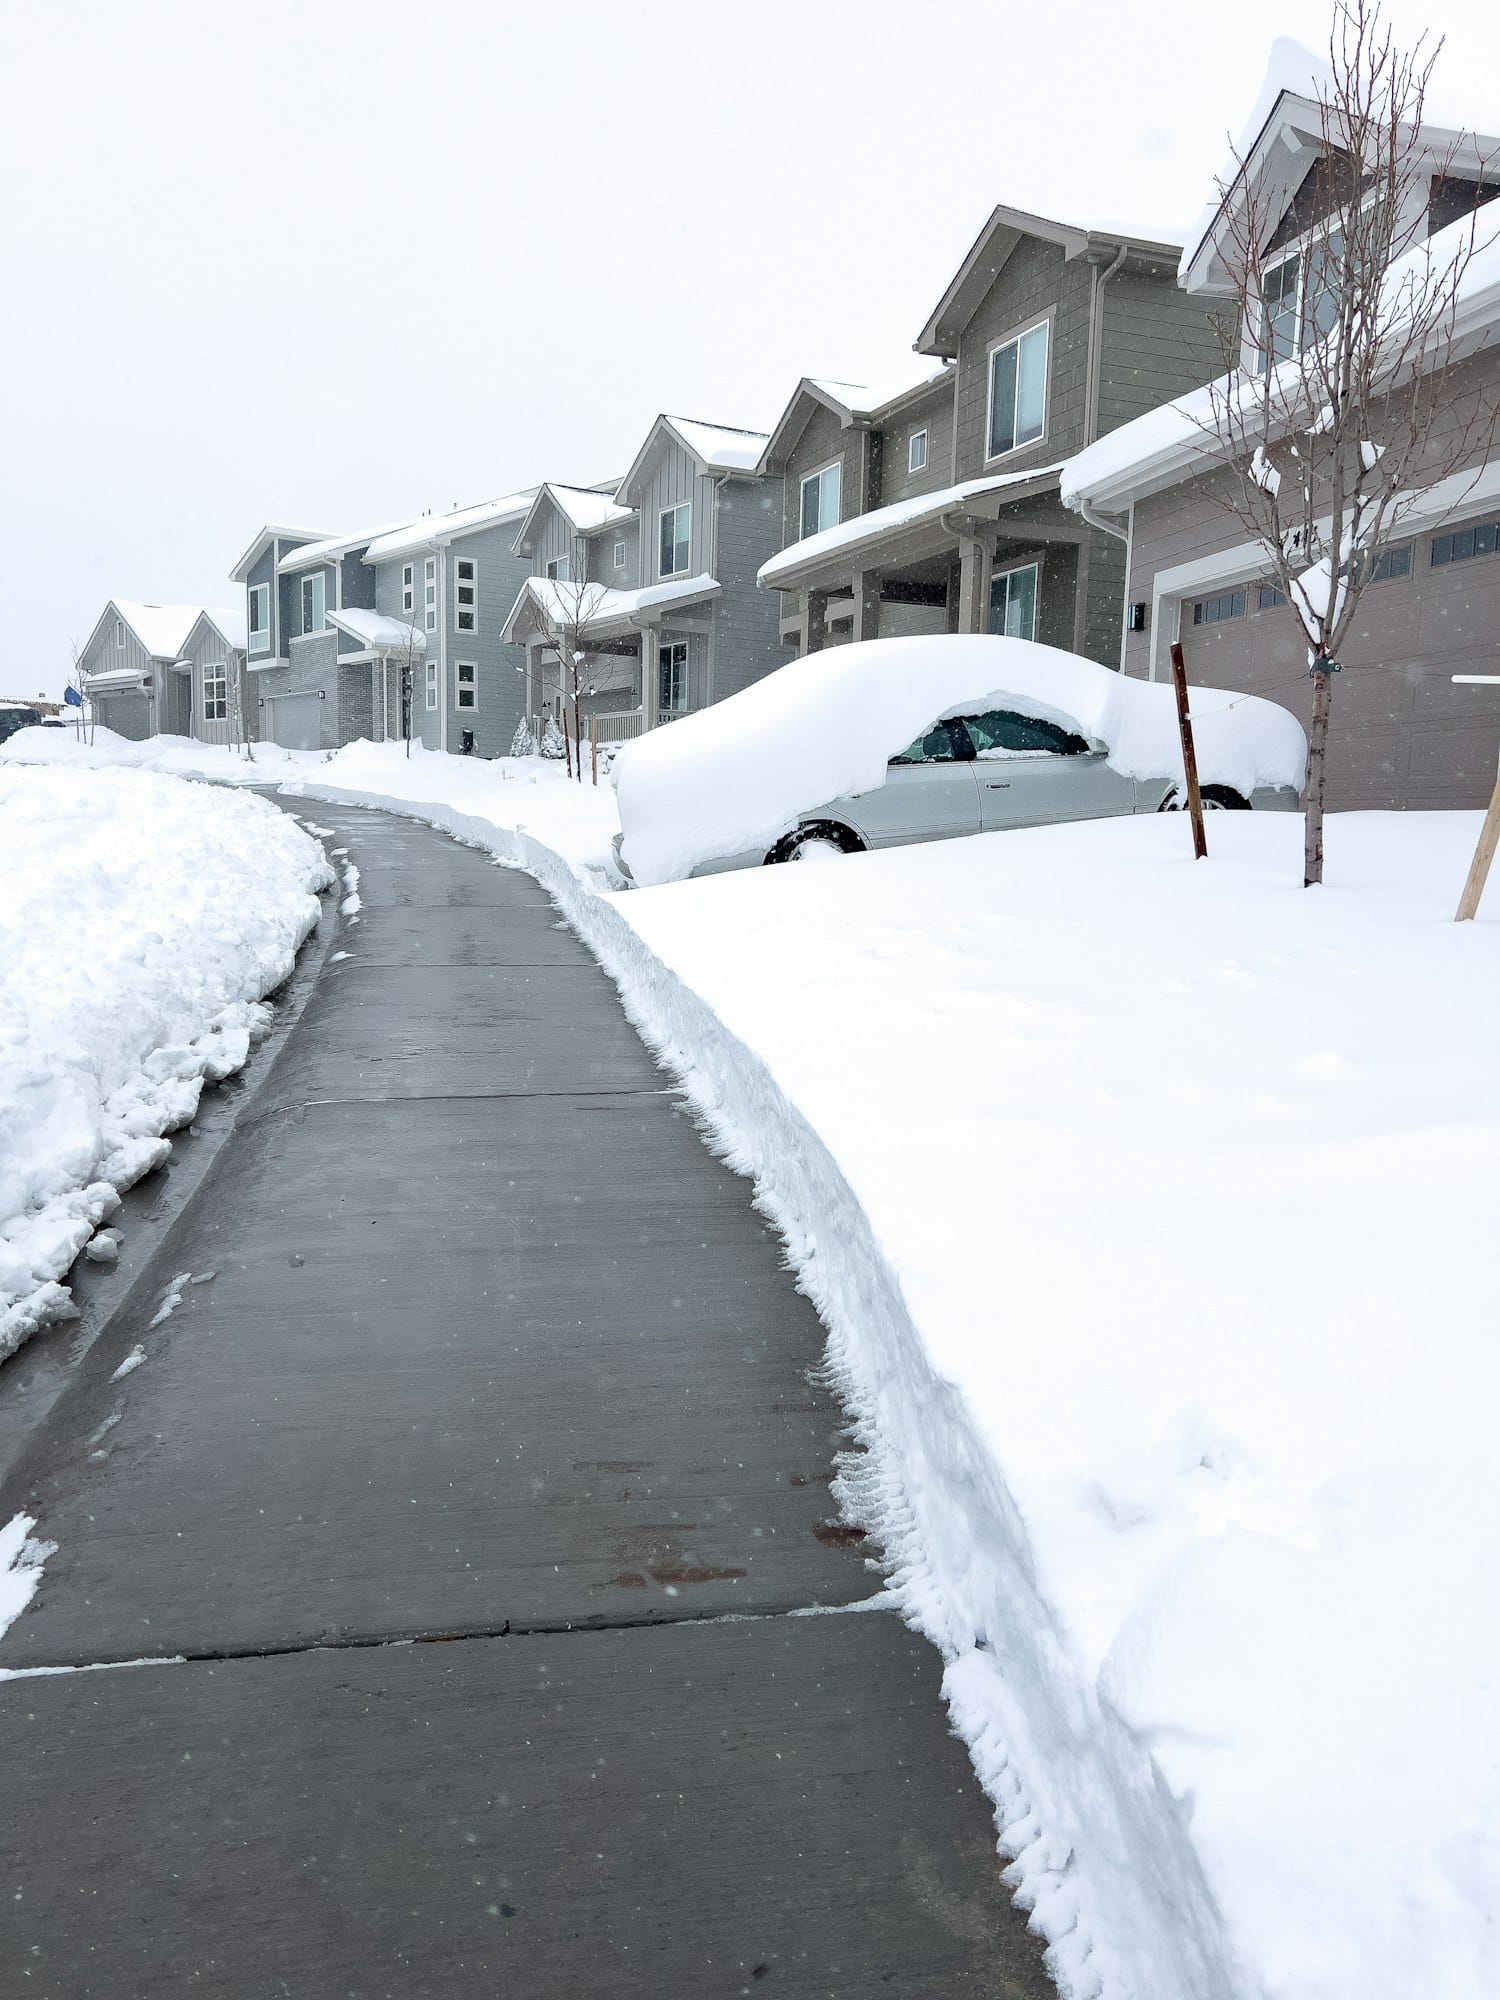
[944,743]
[1002,732]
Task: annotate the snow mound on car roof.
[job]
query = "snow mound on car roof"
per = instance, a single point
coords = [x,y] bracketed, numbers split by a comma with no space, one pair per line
[734,777]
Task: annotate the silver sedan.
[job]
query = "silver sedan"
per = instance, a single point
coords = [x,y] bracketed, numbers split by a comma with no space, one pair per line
[984,773]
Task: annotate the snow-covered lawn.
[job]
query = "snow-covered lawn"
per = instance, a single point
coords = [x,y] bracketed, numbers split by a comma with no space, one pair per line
[141,921]
[177,756]
[1151,1206]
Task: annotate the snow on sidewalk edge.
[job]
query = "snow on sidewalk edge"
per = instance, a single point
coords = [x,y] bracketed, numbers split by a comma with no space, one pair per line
[1098,1850]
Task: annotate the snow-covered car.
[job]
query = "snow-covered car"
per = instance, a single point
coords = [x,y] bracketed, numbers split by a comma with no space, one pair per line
[14,718]
[898,740]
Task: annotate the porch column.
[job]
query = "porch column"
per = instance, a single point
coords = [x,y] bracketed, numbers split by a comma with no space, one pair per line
[650,639]
[817,621]
[866,604]
[974,566]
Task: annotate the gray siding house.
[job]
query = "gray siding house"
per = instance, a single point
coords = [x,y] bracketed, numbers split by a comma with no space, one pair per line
[1402,734]
[671,563]
[144,668]
[212,667]
[947,514]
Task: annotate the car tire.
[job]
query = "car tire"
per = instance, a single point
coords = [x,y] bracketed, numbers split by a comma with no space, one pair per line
[1216,798]
[819,839]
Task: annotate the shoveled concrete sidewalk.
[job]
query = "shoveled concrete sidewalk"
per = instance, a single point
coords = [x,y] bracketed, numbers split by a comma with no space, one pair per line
[479,1482]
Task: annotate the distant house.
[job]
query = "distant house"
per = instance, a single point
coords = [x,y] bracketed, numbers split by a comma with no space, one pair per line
[933,504]
[337,622]
[151,669]
[671,560]
[212,663]
[1403,734]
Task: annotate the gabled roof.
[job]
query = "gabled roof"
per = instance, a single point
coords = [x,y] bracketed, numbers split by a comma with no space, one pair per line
[715,447]
[853,403]
[585,509]
[607,613]
[1177,440]
[1280,142]
[162,629]
[270,533]
[331,548]
[432,530]
[1002,233]
[228,623]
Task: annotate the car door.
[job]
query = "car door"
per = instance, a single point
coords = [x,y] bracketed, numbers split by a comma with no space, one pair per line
[929,792]
[1031,772]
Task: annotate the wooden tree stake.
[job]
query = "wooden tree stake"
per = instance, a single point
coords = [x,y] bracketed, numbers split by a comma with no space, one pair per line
[1189,754]
[1484,854]
[594,746]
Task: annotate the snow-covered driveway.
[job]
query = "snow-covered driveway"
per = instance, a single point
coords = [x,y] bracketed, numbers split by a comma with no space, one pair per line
[141,921]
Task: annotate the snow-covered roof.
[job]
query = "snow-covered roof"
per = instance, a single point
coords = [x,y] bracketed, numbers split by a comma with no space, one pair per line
[1003,231]
[430,529]
[585,509]
[785,569]
[606,612]
[228,621]
[270,533]
[716,447]
[377,633]
[115,680]
[332,547]
[852,402]
[161,628]
[1164,445]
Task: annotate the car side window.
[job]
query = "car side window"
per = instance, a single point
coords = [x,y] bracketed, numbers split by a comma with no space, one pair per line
[1001,732]
[944,743]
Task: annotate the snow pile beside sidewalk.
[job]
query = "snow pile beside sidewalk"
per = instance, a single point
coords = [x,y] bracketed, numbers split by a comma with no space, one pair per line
[142,920]
[177,756]
[732,778]
[1184,1374]
[531,798]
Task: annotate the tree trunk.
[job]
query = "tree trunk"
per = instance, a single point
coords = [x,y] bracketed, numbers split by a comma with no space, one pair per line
[1317,750]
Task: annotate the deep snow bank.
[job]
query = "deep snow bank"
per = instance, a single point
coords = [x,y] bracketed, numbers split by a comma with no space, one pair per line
[174,756]
[141,922]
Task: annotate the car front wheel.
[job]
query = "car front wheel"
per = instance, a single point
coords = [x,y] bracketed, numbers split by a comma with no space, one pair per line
[820,840]
[1216,798]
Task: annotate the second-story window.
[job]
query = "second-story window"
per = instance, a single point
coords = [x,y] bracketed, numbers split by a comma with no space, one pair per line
[1018,391]
[559,570]
[916,452]
[821,493]
[260,618]
[312,601]
[466,588]
[619,555]
[120,635]
[429,593]
[676,538]
[408,589]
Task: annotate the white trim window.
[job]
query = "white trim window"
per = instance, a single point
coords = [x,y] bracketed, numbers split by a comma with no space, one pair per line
[916,452]
[672,677]
[1299,285]
[822,492]
[1018,391]
[619,555]
[559,570]
[1013,602]
[675,538]
[466,684]
[258,618]
[430,606]
[215,691]
[408,588]
[466,596]
[432,686]
[314,588]
[119,635]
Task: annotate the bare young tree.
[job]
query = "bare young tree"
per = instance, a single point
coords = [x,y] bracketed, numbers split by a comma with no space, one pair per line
[237,725]
[1326,414]
[568,607]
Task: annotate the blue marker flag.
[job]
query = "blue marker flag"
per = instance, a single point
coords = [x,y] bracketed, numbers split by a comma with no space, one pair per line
[72,697]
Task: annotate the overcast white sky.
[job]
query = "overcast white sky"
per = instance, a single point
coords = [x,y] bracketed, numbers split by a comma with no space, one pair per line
[331,264]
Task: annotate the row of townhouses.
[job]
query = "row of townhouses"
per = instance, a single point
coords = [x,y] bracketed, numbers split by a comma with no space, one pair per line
[1037,467]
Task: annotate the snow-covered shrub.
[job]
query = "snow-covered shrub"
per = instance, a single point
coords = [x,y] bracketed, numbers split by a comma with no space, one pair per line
[552,744]
[523,743]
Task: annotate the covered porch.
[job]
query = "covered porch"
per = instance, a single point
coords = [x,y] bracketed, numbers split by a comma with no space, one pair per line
[650,651]
[991,555]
